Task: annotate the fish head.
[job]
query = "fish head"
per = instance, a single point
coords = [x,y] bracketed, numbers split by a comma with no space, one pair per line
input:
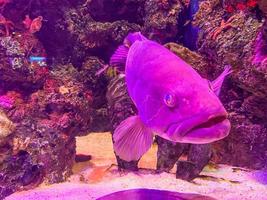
[183,108]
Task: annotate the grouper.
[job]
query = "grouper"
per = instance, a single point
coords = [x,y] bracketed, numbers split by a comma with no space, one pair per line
[172,99]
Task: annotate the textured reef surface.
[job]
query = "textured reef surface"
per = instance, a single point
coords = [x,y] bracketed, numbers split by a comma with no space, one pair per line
[245,93]
[52,89]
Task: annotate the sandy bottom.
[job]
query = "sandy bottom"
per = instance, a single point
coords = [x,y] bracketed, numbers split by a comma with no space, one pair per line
[100,176]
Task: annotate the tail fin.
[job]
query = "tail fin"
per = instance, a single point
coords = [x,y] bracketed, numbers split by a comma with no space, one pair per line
[118,59]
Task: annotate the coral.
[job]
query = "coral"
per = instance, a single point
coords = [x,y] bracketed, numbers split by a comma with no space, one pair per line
[63,93]
[68,111]
[7,126]
[34,25]
[3,3]
[110,11]
[223,26]
[160,20]
[16,66]
[93,36]
[234,5]
[7,24]
[96,86]
[47,121]
[28,174]
[198,62]
[263,7]
[243,94]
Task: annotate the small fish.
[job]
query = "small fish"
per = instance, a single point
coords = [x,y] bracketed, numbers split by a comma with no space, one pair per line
[172,99]
[37,58]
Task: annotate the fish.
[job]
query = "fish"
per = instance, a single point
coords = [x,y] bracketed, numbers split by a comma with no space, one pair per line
[144,194]
[172,99]
[6,126]
[37,58]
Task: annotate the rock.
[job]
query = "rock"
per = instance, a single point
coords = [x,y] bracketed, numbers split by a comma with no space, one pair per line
[97,85]
[15,65]
[161,19]
[48,116]
[198,62]
[185,170]
[198,157]
[93,37]
[53,35]
[47,122]
[168,153]
[26,174]
[82,158]
[116,10]
[6,126]
[120,106]
[244,91]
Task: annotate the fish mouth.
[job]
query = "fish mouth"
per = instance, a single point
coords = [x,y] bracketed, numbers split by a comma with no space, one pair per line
[211,122]
[200,129]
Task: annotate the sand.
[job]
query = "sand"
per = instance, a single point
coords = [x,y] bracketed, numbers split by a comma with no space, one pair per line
[100,176]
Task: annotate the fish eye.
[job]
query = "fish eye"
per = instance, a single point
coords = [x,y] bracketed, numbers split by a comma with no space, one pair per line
[169,100]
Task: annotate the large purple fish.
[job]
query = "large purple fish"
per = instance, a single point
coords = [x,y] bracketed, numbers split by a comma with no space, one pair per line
[172,99]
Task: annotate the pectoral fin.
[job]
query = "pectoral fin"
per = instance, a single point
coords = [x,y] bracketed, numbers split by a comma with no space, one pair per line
[217,83]
[132,139]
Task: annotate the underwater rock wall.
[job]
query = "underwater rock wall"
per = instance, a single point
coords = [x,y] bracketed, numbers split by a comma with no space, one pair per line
[234,37]
[47,106]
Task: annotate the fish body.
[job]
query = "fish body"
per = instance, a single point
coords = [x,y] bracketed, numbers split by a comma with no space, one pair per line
[172,99]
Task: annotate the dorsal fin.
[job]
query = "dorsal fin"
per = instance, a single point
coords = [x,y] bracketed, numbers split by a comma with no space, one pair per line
[118,59]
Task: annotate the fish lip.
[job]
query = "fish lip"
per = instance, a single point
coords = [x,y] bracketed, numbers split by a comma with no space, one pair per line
[178,130]
[213,120]
[207,135]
